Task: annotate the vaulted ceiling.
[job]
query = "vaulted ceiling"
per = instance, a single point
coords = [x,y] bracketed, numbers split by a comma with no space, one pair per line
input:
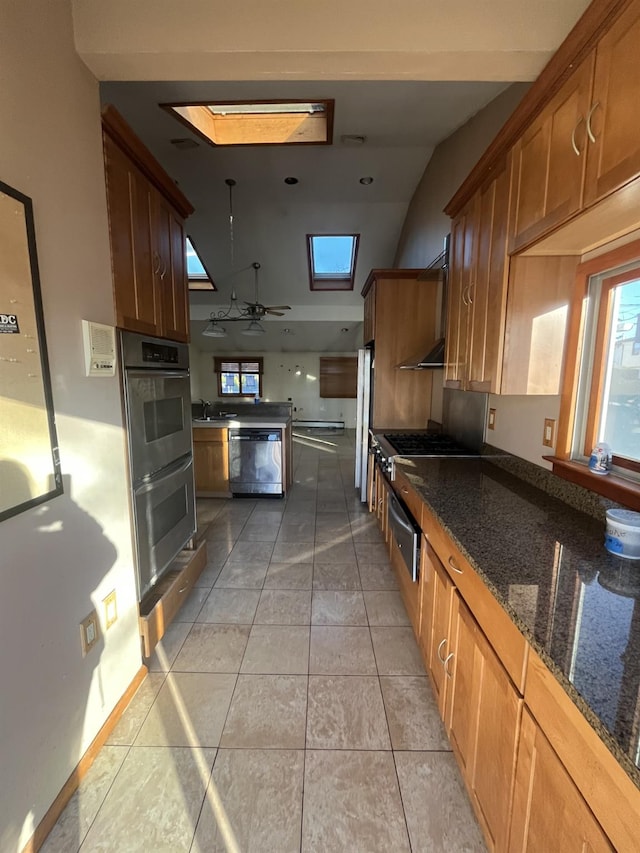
[403,75]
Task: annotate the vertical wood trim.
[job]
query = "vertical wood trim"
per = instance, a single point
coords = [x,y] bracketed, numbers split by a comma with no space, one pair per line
[82,767]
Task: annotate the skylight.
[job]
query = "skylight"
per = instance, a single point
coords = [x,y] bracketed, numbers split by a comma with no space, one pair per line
[198,277]
[258,122]
[332,260]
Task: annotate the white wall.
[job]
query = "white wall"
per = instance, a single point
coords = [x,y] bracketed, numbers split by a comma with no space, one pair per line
[60,559]
[519,420]
[280,382]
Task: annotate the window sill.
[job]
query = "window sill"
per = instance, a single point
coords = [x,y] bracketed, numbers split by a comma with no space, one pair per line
[611,486]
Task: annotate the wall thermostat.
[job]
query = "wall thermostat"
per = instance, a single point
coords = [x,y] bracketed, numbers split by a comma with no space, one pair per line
[99,349]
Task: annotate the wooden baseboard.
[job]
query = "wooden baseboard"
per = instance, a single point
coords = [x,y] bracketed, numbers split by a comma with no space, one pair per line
[80,771]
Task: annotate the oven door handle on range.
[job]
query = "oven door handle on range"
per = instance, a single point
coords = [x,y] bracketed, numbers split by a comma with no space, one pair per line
[154,480]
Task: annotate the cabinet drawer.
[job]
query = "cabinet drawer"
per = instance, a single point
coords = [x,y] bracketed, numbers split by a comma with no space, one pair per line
[217,434]
[409,590]
[496,624]
[405,491]
[158,610]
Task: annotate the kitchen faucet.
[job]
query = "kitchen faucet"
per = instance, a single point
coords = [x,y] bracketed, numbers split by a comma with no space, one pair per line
[205,408]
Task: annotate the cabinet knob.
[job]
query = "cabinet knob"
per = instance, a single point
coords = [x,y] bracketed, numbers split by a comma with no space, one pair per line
[574,144]
[591,112]
[440,658]
[454,566]
[446,665]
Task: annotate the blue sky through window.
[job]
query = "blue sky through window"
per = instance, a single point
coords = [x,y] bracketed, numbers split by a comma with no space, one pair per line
[333,255]
[194,264]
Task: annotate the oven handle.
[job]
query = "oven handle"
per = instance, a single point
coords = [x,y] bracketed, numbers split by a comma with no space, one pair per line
[164,474]
[155,373]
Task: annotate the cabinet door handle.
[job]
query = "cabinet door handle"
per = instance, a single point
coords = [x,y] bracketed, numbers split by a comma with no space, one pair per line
[454,566]
[574,144]
[591,112]
[464,298]
[446,665]
[156,263]
[440,658]
[469,292]
[164,270]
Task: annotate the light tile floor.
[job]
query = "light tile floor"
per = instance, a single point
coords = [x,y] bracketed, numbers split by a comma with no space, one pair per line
[287,708]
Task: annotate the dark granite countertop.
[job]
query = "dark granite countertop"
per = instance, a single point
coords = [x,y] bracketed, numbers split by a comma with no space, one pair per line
[545,562]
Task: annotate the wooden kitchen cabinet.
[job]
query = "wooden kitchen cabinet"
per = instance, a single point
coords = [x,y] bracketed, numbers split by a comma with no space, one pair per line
[460,283]
[549,812]
[549,161]
[613,156]
[478,288]
[211,461]
[148,250]
[437,593]
[401,311]
[585,143]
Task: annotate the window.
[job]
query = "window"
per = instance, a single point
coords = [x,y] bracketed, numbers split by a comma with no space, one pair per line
[258,122]
[197,276]
[601,387]
[609,384]
[239,377]
[332,260]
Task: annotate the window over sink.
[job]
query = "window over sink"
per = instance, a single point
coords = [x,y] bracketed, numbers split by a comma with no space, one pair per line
[239,377]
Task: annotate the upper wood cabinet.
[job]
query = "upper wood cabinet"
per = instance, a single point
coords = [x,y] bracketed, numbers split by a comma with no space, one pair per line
[146,214]
[478,288]
[614,152]
[585,144]
[401,311]
[549,161]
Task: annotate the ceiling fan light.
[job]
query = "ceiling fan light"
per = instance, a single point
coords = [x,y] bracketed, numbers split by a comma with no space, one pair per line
[254,328]
[214,330]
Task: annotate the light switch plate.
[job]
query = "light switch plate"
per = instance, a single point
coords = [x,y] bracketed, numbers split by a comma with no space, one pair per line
[89,632]
[549,433]
[491,423]
[110,609]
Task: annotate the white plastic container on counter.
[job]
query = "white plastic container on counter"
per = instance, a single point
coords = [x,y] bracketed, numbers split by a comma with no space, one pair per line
[622,536]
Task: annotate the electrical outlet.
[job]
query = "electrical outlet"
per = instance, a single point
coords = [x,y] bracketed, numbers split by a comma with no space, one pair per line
[491,424]
[549,434]
[89,632]
[110,609]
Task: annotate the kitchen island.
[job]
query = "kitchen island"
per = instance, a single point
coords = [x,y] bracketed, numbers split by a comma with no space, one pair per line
[211,450]
[536,627]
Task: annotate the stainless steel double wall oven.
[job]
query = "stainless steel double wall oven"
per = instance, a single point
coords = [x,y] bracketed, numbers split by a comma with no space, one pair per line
[157,398]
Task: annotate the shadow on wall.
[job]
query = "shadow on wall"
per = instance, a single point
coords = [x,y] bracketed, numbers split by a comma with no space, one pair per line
[70,540]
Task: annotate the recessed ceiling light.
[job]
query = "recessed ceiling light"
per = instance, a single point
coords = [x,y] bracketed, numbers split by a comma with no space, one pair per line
[344,329]
[366,181]
[291,180]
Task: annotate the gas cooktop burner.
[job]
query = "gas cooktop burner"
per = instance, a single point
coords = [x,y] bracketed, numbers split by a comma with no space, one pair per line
[426,444]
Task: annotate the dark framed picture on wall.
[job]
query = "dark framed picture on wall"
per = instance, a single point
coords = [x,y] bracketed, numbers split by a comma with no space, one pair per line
[29,461]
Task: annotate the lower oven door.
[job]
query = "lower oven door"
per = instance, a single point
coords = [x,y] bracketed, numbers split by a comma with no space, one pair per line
[406,534]
[165,520]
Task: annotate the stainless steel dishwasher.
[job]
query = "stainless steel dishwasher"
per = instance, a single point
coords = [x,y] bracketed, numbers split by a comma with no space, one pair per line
[255,461]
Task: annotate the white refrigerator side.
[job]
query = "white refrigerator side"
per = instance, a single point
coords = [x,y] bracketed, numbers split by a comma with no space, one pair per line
[362,421]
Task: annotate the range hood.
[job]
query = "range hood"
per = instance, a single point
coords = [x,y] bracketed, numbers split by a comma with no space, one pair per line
[433,359]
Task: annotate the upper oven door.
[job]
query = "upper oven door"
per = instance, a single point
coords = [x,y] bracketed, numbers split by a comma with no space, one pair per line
[159,417]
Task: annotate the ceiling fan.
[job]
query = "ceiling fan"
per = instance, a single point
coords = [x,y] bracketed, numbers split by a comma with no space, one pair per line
[256,310]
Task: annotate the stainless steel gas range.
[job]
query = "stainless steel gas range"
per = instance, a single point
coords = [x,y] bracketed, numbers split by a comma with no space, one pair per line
[386,447]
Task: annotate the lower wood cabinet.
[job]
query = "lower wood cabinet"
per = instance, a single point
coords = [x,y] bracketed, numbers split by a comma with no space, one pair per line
[477,701]
[538,777]
[549,812]
[211,461]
